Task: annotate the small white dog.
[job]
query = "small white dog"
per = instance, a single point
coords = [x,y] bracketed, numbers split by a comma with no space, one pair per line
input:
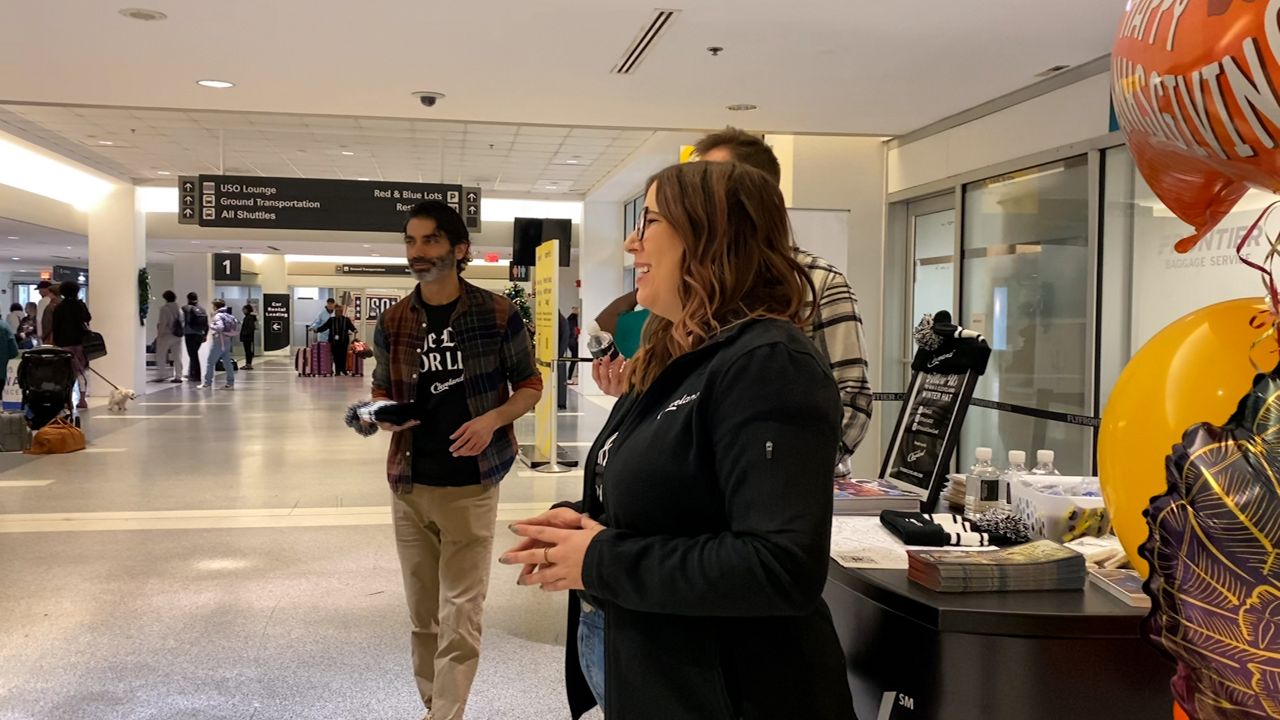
[120,400]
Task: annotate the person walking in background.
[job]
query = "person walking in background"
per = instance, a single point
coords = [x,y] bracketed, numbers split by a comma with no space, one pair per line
[196,323]
[225,330]
[8,347]
[329,306]
[14,318]
[71,320]
[28,337]
[248,334]
[45,288]
[339,330]
[45,326]
[575,330]
[169,333]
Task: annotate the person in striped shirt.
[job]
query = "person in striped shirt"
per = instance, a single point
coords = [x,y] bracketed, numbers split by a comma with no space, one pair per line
[837,326]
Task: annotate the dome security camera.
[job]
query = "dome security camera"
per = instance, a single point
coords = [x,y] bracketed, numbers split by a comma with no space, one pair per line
[428,98]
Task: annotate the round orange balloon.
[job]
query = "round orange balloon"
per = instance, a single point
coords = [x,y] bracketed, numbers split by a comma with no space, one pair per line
[1195,370]
[1195,90]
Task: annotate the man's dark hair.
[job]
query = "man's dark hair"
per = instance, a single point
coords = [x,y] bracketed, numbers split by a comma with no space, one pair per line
[750,150]
[247,309]
[16,307]
[330,301]
[192,298]
[169,296]
[219,304]
[70,289]
[448,222]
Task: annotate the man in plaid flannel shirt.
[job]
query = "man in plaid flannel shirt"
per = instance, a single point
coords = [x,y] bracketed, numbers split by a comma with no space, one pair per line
[837,325]
[463,357]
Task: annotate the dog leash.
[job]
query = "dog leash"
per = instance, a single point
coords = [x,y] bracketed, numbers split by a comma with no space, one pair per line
[95,372]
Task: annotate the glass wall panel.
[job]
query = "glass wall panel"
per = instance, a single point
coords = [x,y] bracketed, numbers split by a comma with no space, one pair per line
[1026,265]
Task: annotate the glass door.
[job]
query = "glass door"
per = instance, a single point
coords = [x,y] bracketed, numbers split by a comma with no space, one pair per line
[932,241]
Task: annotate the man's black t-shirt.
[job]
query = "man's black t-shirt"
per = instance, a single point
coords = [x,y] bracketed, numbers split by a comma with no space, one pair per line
[442,406]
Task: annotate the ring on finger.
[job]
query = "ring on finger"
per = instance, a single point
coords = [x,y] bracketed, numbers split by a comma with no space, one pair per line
[546,556]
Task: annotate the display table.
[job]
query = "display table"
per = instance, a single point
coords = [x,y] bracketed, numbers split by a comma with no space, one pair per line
[913,654]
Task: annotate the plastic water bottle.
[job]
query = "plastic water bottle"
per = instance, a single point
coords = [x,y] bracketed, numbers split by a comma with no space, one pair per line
[982,487]
[1044,464]
[1017,468]
[600,344]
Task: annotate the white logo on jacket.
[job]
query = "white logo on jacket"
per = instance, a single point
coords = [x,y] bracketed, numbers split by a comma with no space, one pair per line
[679,403]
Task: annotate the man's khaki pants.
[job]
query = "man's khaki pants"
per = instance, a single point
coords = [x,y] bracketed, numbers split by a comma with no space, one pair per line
[445,540]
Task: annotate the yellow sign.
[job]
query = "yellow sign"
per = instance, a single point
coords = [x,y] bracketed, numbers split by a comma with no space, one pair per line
[546,289]
[687,153]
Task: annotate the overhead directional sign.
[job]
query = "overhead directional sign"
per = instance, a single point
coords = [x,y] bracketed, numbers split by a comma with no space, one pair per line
[234,201]
[187,201]
[471,208]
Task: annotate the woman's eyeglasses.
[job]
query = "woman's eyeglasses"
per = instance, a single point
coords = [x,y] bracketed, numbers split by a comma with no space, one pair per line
[641,222]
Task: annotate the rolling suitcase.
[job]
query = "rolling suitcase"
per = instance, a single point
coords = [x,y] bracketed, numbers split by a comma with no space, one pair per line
[14,435]
[302,361]
[321,359]
[355,363]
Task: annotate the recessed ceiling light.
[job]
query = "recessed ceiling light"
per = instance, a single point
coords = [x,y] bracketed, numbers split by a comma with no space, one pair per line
[143,14]
[742,107]
[375,254]
[362,178]
[163,172]
[366,246]
[68,247]
[219,84]
[15,258]
[13,237]
[105,142]
[347,152]
[570,162]
[195,242]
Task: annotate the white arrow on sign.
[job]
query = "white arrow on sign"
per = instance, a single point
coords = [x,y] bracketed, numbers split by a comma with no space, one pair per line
[188,187]
[472,209]
[188,213]
[276,327]
[471,197]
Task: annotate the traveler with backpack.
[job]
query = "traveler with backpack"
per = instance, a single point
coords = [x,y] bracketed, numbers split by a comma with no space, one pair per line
[196,322]
[225,329]
[169,333]
[248,333]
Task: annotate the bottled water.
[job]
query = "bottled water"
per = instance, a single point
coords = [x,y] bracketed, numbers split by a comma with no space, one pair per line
[982,486]
[1044,464]
[1017,468]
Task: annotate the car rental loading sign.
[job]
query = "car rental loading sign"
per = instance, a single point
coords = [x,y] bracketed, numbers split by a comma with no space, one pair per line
[234,201]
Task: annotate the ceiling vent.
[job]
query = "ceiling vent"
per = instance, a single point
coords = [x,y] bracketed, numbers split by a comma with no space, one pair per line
[644,41]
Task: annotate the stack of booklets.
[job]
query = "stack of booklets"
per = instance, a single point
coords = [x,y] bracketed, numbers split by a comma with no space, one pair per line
[869,497]
[1124,584]
[1041,565]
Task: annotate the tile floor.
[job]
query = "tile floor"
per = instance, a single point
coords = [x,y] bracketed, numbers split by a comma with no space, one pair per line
[229,555]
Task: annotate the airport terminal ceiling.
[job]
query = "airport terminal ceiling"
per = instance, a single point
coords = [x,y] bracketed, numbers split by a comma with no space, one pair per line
[884,69]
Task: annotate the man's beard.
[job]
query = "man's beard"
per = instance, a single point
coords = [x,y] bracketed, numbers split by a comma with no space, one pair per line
[436,267]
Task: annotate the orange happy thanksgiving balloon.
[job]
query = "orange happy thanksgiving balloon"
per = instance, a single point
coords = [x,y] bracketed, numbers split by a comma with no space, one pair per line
[1196,87]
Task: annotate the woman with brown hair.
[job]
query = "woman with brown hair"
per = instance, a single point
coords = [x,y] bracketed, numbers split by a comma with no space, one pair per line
[699,552]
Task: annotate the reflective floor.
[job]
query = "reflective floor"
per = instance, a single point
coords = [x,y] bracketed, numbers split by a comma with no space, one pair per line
[229,555]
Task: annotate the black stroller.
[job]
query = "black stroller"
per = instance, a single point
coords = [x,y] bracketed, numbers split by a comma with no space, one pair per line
[47,377]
